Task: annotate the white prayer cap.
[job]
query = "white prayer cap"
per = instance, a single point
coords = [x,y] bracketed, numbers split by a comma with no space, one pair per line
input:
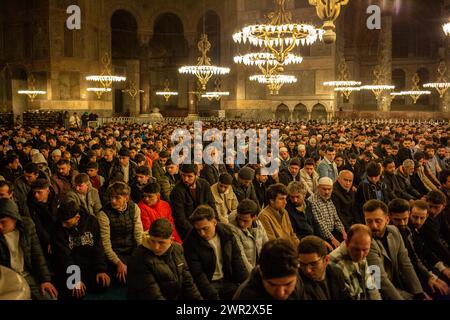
[325,181]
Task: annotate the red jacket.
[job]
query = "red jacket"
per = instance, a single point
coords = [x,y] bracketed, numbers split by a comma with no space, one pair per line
[160,210]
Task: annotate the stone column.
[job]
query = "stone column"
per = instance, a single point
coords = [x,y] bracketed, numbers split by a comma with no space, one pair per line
[192,100]
[445,101]
[384,103]
[144,73]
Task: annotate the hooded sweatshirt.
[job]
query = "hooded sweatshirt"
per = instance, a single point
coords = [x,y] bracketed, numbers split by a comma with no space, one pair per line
[34,262]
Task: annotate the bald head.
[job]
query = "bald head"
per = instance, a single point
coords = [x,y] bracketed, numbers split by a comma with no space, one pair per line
[345,179]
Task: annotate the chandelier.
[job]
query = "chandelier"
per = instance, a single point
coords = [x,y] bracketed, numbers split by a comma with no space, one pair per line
[106,78]
[328,11]
[204,70]
[274,82]
[132,90]
[166,93]
[216,94]
[32,93]
[267,62]
[378,87]
[99,91]
[441,84]
[343,84]
[280,36]
[446,28]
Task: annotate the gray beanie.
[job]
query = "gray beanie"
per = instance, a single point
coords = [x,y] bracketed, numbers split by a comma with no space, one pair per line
[8,208]
[246,173]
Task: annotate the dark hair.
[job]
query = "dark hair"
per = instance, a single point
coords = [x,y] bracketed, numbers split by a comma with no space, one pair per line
[436,197]
[143,170]
[276,189]
[443,176]
[295,162]
[91,165]
[226,178]
[6,183]
[372,205]
[161,228]
[312,244]
[31,168]
[281,251]
[421,204]
[62,162]
[140,157]
[353,156]
[373,169]
[247,206]
[357,228]
[398,206]
[419,155]
[330,149]
[309,162]
[202,212]
[118,188]
[11,158]
[81,178]
[387,161]
[152,188]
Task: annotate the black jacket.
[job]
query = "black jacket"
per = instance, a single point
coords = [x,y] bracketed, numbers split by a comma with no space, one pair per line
[245,193]
[345,205]
[404,154]
[105,168]
[260,191]
[432,236]
[302,222]
[34,259]
[183,204]
[202,260]
[81,245]
[253,289]
[211,174]
[165,277]
[335,283]
[405,184]
[286,177]
[117,171]
[393,185]
[420,268]
[367,191]
[428,257]
[44,216]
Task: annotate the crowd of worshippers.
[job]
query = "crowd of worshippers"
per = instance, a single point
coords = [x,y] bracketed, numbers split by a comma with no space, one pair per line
[356,211]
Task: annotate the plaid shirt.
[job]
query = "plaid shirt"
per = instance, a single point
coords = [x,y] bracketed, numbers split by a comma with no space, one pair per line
[324,212]
[359,282]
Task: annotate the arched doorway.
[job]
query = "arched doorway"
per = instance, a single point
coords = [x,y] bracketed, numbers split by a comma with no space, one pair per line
[124,46]
[168,50]
[282,113]
[300,113]
[319,112]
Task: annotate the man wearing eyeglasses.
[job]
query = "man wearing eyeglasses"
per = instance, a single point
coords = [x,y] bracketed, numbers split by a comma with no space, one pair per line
[322,281]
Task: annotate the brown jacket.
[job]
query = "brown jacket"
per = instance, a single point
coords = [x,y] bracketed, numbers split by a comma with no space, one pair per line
[277,225]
